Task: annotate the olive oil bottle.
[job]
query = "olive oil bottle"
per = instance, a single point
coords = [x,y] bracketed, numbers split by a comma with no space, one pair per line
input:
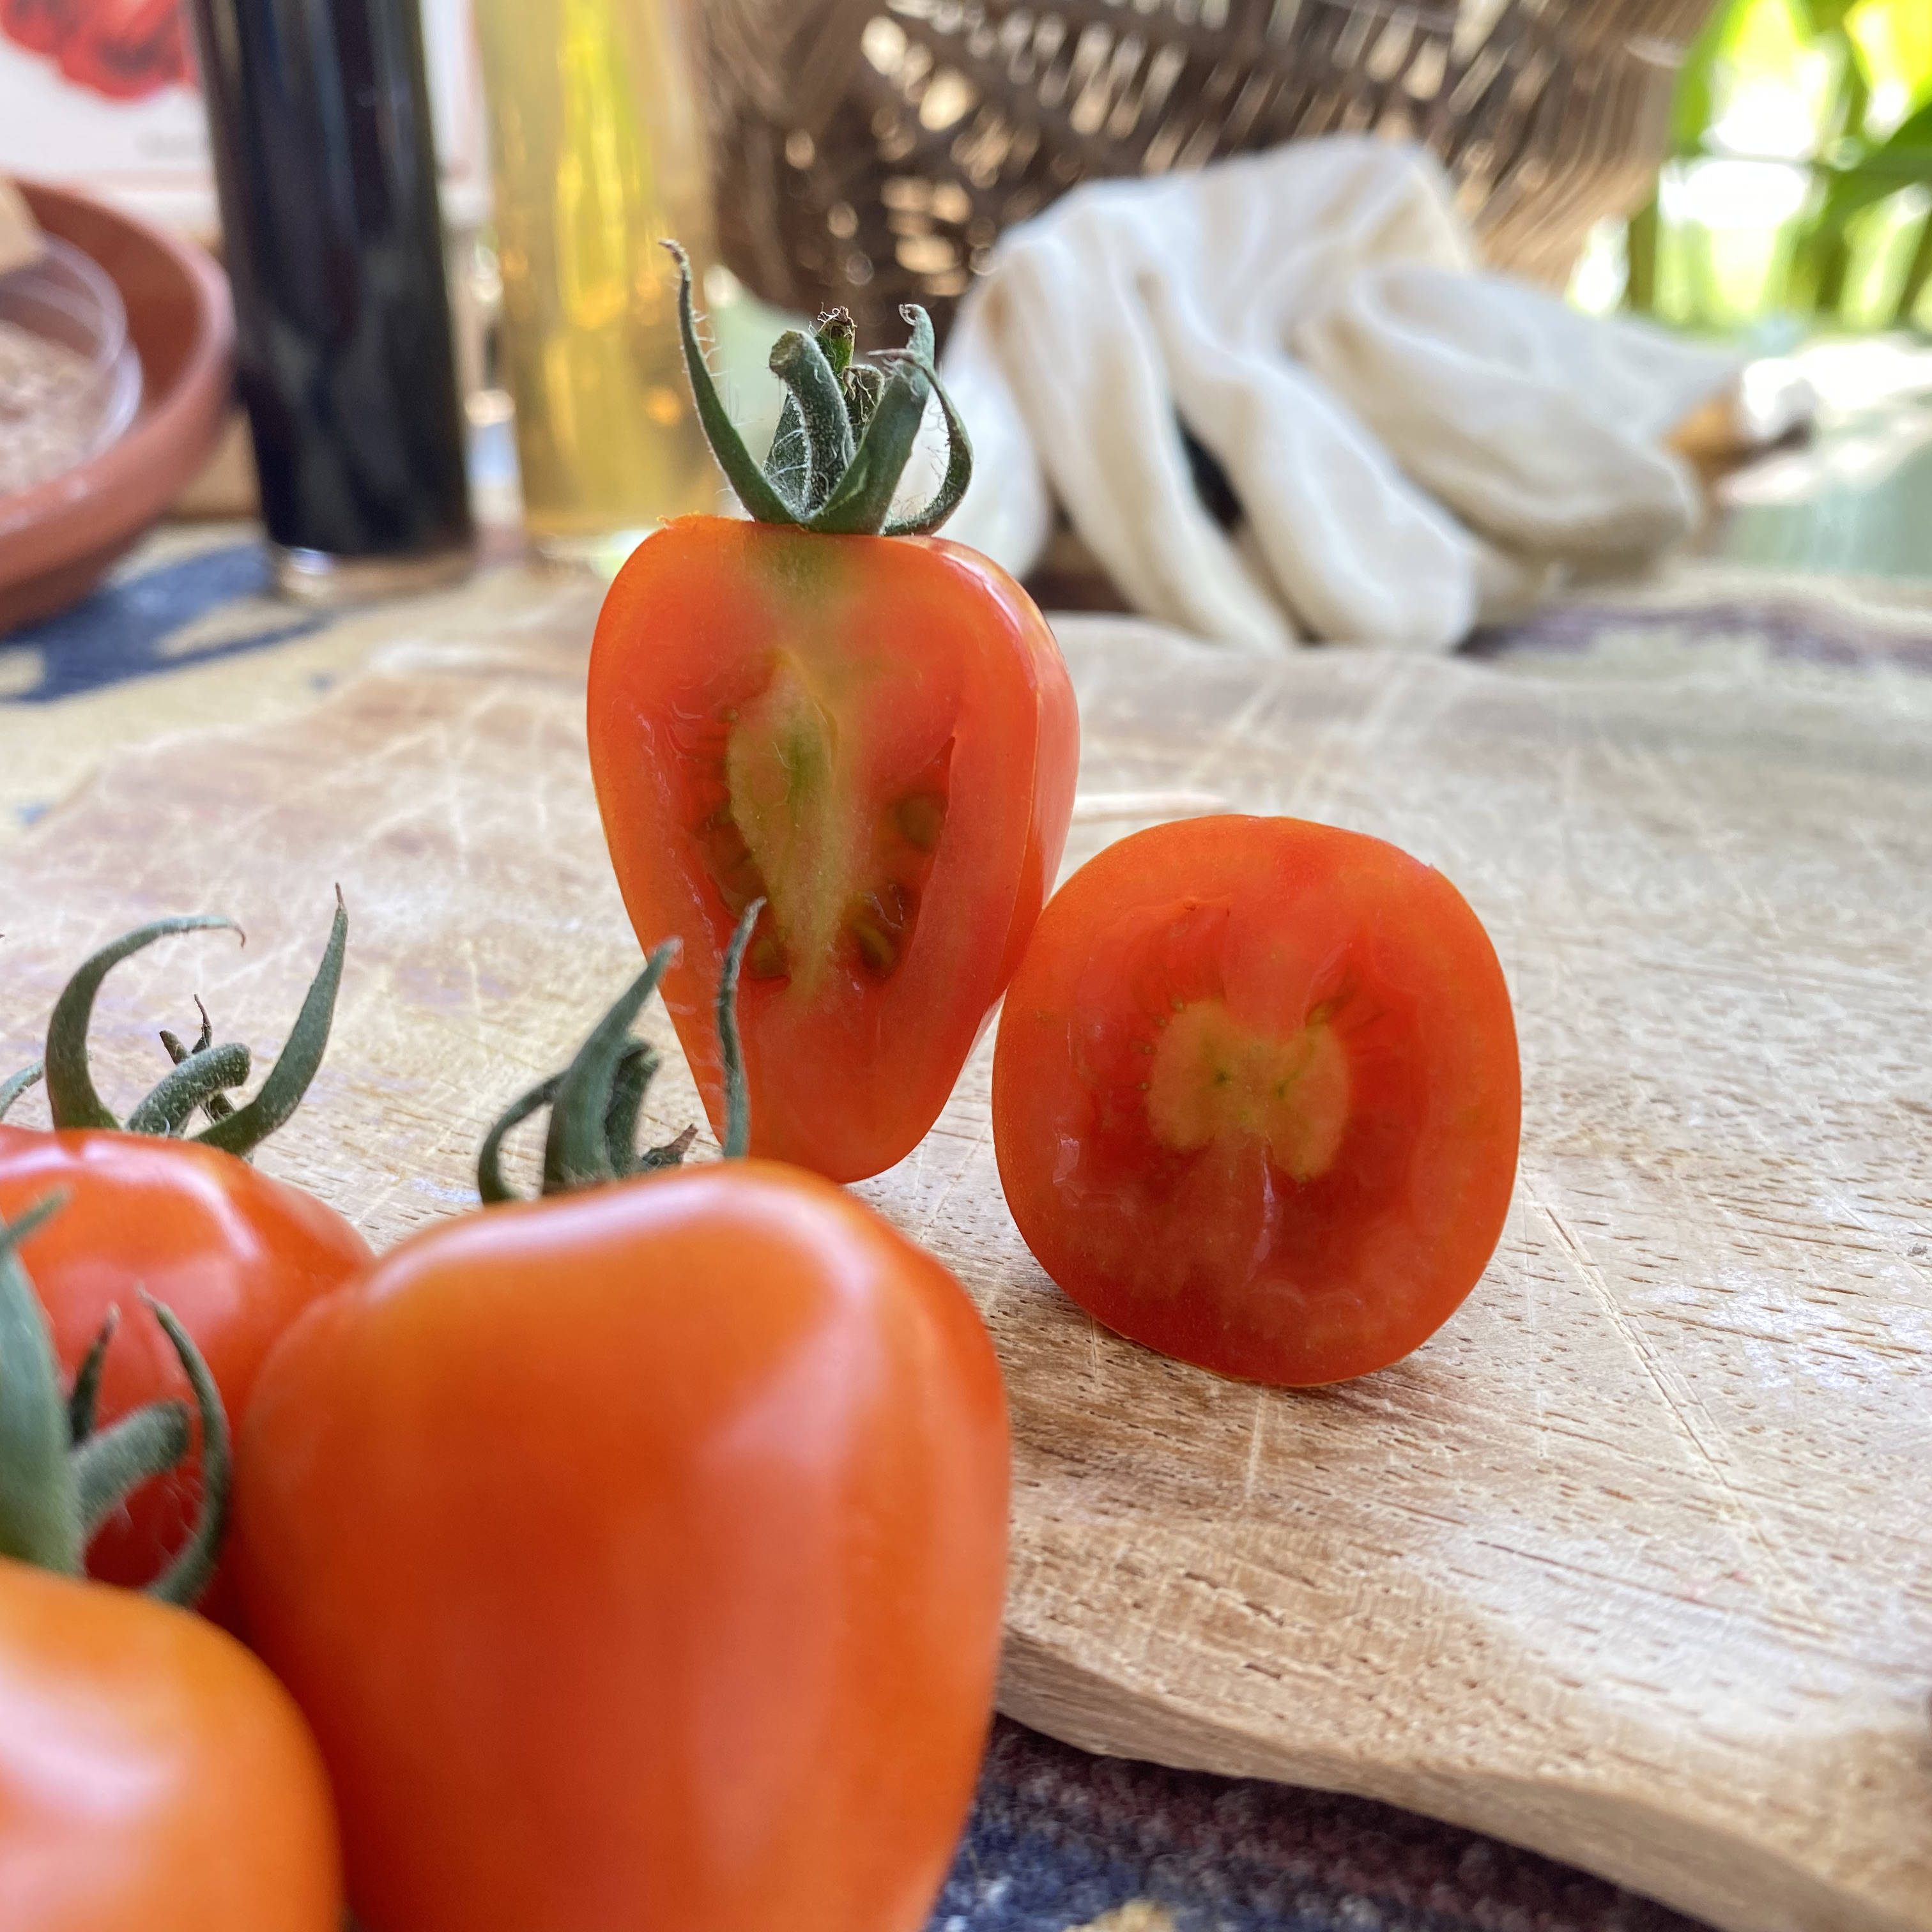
[597,155]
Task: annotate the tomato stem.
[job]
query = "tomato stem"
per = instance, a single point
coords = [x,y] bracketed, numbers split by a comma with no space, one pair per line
[761,494]
[185,1579]
[197,1079]
[859,503]
[959,454]
[737,1139]
[59,1479]
[217,1106]
[38,1522]
[821,423]
[201,1074]
[70,1089]
[636,1067]
[295,1066]
[576,1150]
[155,1436]
[15,1084]
[595,1101]
[491,1184]
[845,434]
[81,1398]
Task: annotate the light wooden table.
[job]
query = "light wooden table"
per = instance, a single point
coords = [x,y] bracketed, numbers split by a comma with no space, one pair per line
[1629,1564]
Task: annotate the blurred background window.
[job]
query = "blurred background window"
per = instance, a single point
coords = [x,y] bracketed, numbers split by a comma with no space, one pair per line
[1798,193]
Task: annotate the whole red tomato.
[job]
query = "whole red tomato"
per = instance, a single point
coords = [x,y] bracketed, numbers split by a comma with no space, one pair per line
[152,1773]
[874,733]
[1255,1096]
[636,1556]
[236,1255]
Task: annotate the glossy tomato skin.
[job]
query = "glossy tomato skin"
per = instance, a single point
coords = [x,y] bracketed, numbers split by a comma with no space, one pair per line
[878,735]
[1256,1097]
[152,1773]
[235,1255]
[638,1557]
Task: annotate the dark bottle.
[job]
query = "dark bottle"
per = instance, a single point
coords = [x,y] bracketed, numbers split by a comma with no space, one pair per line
[326,165]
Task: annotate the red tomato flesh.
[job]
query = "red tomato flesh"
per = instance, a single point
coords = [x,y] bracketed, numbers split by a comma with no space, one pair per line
[1255,1096]
[878,737]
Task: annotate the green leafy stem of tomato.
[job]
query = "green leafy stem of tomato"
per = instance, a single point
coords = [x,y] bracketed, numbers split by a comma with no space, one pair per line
[236,1254]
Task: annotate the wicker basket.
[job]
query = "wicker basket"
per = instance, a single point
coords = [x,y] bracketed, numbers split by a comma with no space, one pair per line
[869,151]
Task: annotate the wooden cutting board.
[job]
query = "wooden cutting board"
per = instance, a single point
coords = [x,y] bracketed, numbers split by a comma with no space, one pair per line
[1631,1564]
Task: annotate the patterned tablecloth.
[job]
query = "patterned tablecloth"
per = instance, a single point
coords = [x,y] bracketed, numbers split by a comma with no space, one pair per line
[187,634]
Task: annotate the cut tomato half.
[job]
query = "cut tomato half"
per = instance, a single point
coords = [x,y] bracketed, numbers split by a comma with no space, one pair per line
[876,736]
[1256,1098]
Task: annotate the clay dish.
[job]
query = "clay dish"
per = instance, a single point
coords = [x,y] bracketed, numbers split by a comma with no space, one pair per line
[58,537]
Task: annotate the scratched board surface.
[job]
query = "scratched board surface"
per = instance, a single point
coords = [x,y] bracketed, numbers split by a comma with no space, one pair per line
[1630,1563]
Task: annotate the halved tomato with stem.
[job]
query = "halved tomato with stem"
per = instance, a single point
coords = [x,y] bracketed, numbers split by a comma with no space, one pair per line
[1256,1097]
[866,727]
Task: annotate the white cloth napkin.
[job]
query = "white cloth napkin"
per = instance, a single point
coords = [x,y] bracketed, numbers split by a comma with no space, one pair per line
[1416,445]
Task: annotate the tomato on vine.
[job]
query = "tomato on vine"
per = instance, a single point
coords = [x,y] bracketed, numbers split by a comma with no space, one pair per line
[181,1214]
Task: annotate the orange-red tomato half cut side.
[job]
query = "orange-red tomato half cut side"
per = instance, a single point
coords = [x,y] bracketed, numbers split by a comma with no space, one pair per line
[1256,1099]
[876,736]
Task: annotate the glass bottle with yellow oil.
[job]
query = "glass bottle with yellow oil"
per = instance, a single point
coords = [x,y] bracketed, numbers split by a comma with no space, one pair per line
[598,154]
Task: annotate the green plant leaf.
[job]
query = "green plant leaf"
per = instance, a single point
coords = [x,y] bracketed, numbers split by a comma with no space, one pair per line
[1693,104]
[1902,160]
[759,494]
[1826,16]
[576,1150]
[1909,144]
[71,1097]
[817,401]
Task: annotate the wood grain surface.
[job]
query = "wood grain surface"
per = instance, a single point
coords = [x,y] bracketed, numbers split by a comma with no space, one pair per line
[1629,1564]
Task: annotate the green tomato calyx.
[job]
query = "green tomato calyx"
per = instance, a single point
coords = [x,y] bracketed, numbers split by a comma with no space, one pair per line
[594,1102]
[60,1477]
[845,433]
[204,1074]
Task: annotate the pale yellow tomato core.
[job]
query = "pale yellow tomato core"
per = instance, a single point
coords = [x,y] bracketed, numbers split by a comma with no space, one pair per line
[782,766]
[842,870]
[1212,1076]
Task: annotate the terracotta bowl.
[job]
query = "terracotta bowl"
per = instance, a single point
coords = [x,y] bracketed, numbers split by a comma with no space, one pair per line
[58,538]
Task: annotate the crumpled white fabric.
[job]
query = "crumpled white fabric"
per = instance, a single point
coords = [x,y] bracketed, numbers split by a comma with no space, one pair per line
[1416,445]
